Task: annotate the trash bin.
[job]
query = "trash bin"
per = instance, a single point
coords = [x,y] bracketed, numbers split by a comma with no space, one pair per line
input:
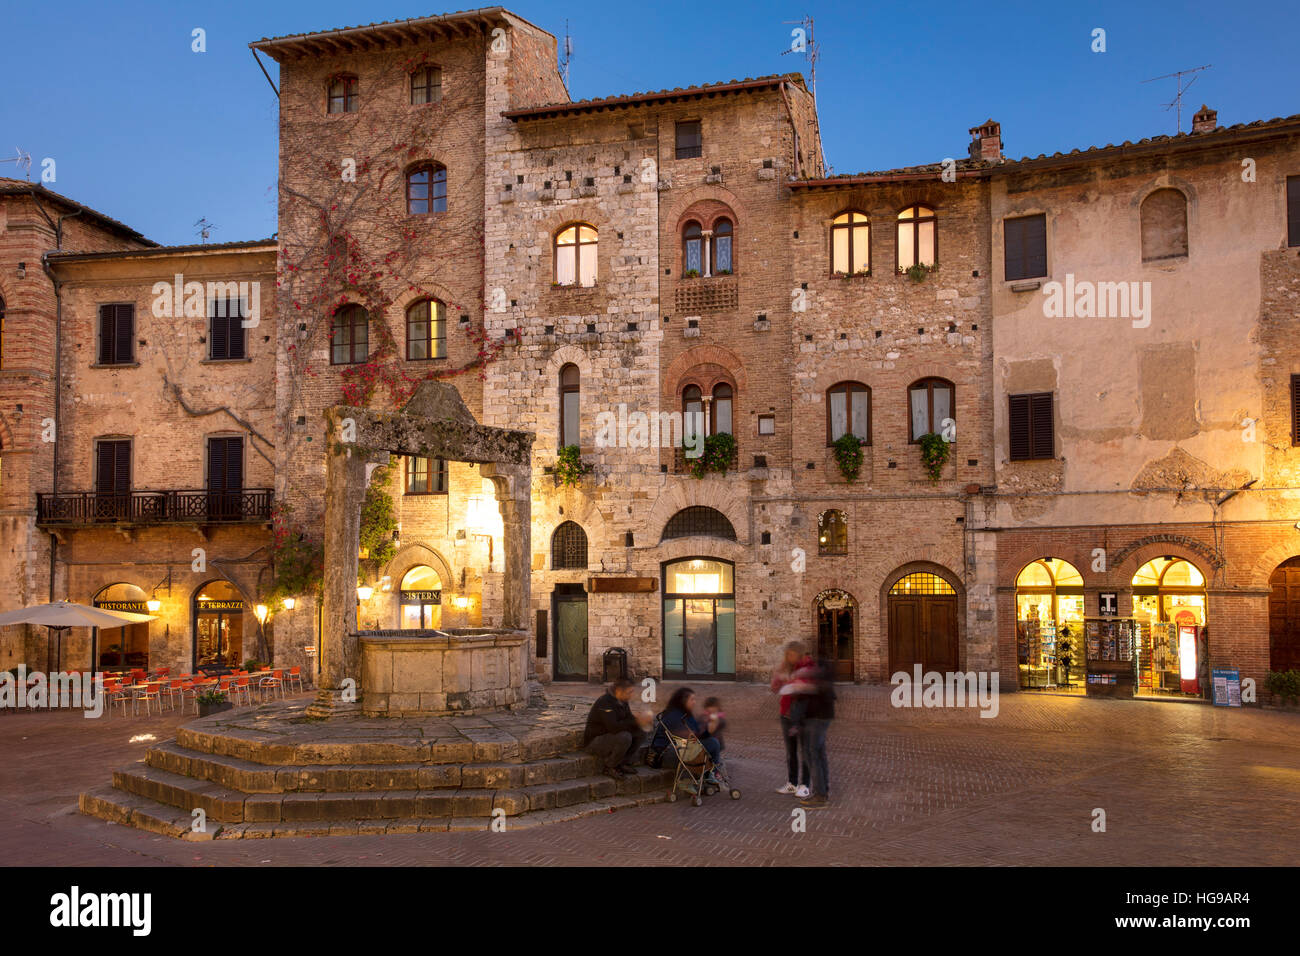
[616,658]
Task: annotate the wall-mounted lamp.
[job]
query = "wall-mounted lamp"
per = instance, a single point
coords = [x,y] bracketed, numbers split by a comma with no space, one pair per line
[260,613]
[385,584]
[289,603]
[462,603]
[365,591]
[153,604]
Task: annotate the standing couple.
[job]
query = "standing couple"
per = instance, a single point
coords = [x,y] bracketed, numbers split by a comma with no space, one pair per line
[807,707]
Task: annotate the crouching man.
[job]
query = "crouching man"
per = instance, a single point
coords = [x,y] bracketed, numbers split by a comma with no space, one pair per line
[614,733]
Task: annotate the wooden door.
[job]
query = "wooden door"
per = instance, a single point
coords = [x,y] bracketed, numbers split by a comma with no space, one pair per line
[835,639]
[922,630]
[1284,617]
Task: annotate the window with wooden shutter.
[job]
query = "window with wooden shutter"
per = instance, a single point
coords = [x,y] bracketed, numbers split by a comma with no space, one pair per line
[1031,426]
[225,476]
[1293,210]
[1025,248]
[116,334]
[112,478]
[1295,409]
[226,337]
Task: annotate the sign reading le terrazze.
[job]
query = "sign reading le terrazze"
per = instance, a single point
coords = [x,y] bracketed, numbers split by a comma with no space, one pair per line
[235,605]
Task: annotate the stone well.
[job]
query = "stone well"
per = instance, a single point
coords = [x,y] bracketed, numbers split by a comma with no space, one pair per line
[438,673]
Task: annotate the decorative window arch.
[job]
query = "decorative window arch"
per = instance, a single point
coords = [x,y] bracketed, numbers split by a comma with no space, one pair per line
[721,247]
[930,401]
[851,243]
[569,546]
[426,85]
[848,412]
[575,255]
[832,532]
[570,405]
[918,237]
[342,94]
[699,520]
[349,335]
[426,330]
[921,582]
[426,189]
[1169,589]
[692,248]
[1164,225]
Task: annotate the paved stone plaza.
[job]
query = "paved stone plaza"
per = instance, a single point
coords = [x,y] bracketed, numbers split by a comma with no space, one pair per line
[1181,784]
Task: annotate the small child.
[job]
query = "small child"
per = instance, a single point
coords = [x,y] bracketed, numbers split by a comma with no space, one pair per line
[712,721]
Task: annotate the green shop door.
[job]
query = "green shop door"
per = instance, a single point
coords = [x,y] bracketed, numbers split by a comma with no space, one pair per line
[570,612]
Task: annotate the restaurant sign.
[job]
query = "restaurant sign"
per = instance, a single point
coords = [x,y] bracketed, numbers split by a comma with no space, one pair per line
[622,585]
[135,607]
[220,606]
[422,597]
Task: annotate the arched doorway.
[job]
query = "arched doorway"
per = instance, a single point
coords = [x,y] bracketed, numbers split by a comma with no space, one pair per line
[922,624]
[420,599]
[126,647]
[1284,617]
[837,614]
[218,626]
[699,614]
[1049,626]
[1169,606]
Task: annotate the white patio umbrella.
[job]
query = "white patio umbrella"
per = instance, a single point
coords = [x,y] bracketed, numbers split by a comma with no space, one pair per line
[62,615]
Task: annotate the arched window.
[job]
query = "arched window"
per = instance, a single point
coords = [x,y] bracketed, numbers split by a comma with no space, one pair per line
[723,263]
[692,249]
[721,412]
[426,330]
[343,95]
[918,237]
[419,599]
[699,520]
[570,405]
[126,647]
[1171,590]
[930,402]
[850,244]
[569,546]
[832,532]
[426,85]
[426,189]
[1049,624]
[848,412]
[349,336]
[575,255]
[693,425]
[219,625]
[920,582]
[1164,225]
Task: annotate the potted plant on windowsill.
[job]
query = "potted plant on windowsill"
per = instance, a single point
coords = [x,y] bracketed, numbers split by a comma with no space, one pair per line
[935,452]
[691,274]
[212,702]
[920,270]
[570,469]
[718,454]
[847,450]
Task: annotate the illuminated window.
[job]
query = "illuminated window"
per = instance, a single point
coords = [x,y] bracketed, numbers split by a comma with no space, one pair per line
[426,330]
[918,237]
[930,402]
[848,412]
[921,582]
[850,244]
[575,255]
[832,532]
[420,598]
[1169,590]
[426,476]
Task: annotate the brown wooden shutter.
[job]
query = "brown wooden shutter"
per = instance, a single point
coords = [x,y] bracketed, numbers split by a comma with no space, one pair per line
[107,322]
[1018,427]
[124,334]
[218,332]
[113,467]
[1042,426]
[1295,409]
[1293,210]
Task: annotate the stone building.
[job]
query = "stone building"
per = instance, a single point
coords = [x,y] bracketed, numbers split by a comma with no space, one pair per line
[637,278]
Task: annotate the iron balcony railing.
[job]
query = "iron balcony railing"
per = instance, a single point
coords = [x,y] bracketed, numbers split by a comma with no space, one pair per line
[154,507]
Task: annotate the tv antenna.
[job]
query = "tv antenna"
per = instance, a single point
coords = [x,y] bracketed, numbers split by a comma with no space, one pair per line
[23,160]
[801,41]
[204,228]
[566,56]
[1177,102]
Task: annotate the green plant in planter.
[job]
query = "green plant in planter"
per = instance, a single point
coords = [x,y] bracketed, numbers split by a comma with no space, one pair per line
[1284,684]
[252,665]
[919,271]
[569,466]
[935,452]
[691,274]
[723,272]
[848,455]
[211,698]
[717,454]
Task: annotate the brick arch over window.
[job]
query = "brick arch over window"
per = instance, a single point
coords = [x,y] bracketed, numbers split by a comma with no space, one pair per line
[699,520]
[413,556]
[712,494]
[705,366]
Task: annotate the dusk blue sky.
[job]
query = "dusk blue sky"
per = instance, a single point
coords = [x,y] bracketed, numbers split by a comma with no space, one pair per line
[151,133]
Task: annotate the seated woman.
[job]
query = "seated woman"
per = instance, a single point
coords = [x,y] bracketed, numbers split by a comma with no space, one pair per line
[679,718]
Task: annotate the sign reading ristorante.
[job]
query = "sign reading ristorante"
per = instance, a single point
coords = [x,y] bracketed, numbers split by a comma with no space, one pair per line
[136,607]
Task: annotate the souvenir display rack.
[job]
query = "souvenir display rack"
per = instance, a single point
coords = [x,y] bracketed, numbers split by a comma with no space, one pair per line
[1109,646]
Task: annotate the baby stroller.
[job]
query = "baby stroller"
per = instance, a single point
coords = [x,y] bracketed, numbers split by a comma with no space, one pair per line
[697,774]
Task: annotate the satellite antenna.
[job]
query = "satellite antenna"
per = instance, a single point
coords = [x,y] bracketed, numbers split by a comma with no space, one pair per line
[808,47]
[23,160]
[1177,102]
[567,56]
[204,228]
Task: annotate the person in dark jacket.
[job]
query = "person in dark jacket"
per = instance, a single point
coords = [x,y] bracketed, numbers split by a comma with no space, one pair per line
[812,711]
[613,733]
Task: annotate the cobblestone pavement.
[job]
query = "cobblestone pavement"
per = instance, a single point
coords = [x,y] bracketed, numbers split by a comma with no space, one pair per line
[1181,784]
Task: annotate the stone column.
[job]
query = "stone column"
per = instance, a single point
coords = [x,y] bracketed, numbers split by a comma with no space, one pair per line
[513,485]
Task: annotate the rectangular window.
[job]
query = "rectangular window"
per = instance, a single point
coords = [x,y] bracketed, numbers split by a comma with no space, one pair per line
[426,331]
[690,141]
[1025,247]
[426,476]
[1031,427]
[349,336]
[767,424]
[1293,210]
[116,334]
[113,478]
[1295,409]
[426,85]
[225,477]
[226,338]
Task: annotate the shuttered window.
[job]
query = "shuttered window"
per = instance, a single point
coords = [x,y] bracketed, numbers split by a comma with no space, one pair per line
[226,335]
[113,466]
[1293,210]
[1295,409]
[116,334]
[226,464]
[1025,247]
[1032,429]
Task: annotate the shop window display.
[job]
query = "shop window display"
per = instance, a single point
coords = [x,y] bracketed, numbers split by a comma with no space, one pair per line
[1049,626]
[1169,604]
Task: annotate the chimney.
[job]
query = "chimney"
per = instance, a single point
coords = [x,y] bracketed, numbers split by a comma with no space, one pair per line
[986,142]
[1206,120]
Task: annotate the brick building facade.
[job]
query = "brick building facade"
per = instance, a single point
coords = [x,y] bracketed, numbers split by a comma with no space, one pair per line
[578,267]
